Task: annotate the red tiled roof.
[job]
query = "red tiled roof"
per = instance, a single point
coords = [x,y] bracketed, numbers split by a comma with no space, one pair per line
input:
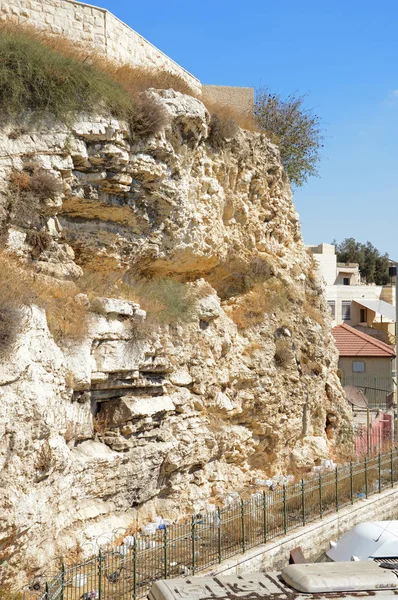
[351,342]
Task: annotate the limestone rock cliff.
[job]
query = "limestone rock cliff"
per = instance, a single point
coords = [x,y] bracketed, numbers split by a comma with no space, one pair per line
[128,421]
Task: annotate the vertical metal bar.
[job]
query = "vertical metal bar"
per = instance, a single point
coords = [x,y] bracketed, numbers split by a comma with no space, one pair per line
[336,479]
[62,580]
[219,535]
[193,543]
[379,466]
[165,552]
[135,568]
[284,509]
[367,431]
[265,516]
[99,575]
[303,499]
[392,468]
[351,484]
[242,510]
[320,496]
[366,477]
[47,591]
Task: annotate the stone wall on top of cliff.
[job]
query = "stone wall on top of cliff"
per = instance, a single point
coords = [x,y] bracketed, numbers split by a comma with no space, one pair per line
[242,388]
[96,28]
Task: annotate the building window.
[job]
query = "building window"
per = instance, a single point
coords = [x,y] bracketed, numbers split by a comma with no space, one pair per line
[363,316]
[332,307]
[346,281]
[358,366]
[346,310]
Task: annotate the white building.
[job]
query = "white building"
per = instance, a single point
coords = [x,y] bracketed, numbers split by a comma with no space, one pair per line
[369,308]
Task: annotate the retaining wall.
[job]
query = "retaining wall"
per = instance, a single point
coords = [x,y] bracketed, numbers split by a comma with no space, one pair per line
[313,539]
[240,98]
[95,27]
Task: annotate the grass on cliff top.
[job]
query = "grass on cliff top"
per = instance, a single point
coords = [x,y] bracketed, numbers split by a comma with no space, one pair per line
[34,76]
[50,74]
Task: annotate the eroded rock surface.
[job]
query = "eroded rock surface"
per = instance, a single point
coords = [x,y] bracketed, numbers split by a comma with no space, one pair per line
[192,410]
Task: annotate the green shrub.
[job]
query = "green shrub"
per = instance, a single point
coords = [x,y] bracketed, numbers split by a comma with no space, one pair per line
[295,129]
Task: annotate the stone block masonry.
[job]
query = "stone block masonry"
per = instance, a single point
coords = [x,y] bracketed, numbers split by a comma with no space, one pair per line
[95,27]
[239,98]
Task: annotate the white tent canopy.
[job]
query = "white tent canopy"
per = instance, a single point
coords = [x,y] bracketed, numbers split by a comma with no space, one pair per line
[379,306]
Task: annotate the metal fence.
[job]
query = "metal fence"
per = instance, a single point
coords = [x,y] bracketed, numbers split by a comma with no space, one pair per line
[127,571]
[378,390]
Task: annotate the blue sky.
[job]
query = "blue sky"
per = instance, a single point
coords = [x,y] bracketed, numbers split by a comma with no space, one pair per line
[342,52]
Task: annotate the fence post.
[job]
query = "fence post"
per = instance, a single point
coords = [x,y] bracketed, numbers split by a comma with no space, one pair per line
[336,477]
[47,591]
[303,500]
[320,496]
[379,465]
[366,477]
[135,568]
[392,468]
[284,509]
[265,516]
[165,558]
[242,514]
[351,484]
[62,580]
[99,574]
[193,543]
[219,534]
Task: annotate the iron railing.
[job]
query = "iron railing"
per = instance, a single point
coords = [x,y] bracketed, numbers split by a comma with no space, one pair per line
[378,390]
[128,570]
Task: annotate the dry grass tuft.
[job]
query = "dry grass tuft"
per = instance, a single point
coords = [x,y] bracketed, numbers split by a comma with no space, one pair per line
[283,353]
[101,423]
[27,191]
[251,308]
[38,240]
[314,313]
[66,311]
[148,116]
[44,458]
[221,130]
[312,368]
[252,348]
[10,325]
[45,185]
[166,301]
[231,115]
[19,181]
[263,298]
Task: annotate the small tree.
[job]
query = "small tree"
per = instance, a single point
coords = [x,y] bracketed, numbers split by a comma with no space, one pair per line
[373,266]
[295,129]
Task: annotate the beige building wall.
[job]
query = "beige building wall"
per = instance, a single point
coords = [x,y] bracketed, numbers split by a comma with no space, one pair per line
[239,98]
[95,27]
[374,367]
[325,257]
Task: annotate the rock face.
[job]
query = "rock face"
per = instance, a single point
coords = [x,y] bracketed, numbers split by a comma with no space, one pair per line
[102,434]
